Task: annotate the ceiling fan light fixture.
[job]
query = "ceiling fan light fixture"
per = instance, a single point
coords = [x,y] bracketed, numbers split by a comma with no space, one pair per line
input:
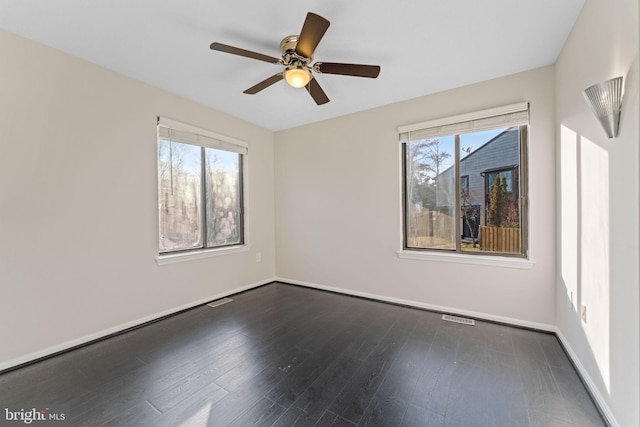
[297,76]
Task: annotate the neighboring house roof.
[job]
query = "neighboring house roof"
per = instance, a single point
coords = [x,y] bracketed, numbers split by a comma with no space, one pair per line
[486,144]
[486,171]
[482,150]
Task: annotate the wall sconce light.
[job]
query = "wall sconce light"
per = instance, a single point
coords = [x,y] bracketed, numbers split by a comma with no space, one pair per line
[605,100]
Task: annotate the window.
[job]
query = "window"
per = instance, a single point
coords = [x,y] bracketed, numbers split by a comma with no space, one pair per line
[507,178]
[200,188]
[464,183]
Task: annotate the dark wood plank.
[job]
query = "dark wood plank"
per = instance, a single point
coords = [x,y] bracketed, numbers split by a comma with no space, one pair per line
[578,403]
[541,419]
[541,393]
[416,416]
[140,414]
[223,411]
[469,402]
[291,417]
[354,399]
[198,383]
[553,352]
[263,413]
[432,388]
[506,390]
[389,404]
[54,381]
[313,403]
[329,419]
[363,344]
[161,384]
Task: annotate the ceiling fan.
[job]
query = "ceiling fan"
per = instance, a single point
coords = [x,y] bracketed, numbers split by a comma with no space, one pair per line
[297,55]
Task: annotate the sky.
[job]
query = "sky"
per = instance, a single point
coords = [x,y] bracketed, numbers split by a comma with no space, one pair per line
[474,140]
[192,162]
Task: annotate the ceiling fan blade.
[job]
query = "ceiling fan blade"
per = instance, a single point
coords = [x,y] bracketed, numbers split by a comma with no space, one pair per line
[356,70]
[312,31]
[243,52]
[316,92]
[264,84]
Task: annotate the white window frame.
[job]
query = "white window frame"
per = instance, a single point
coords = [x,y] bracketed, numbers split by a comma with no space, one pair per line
[499,117]
[206,138]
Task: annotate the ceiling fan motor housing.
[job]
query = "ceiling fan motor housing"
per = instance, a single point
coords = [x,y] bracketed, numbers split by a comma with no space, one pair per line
[288,50]
[288,44]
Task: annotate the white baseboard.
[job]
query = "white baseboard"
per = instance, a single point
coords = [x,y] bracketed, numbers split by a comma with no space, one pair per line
[433,307]
[122,327]
[586,378]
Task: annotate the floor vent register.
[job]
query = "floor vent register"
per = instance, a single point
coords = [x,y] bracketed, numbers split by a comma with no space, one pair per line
[457,319]
[219,302]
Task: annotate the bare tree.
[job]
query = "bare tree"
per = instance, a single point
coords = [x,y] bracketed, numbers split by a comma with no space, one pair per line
[424,162]
[469,213]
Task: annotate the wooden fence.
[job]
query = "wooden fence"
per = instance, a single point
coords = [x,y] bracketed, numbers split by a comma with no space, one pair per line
[500,239]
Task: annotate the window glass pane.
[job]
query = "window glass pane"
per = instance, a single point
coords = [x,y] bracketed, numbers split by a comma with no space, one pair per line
[507,175]
[430,188]
[464,183]
[489,207]
[223,196]
[179,194]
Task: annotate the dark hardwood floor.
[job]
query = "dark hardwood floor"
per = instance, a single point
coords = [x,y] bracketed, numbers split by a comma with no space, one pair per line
[284,355]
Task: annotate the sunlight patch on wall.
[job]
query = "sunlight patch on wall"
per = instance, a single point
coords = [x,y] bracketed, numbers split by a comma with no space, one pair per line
[569,214]
[595,251]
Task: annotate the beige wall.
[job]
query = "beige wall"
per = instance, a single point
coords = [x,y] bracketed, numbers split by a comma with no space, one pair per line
[78,203]
[338,207]
[598,214]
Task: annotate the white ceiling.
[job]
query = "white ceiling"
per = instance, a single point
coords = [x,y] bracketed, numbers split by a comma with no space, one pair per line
[422,46]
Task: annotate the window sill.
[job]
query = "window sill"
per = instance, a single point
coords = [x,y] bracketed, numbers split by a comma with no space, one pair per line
[205,253]
[491,261]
